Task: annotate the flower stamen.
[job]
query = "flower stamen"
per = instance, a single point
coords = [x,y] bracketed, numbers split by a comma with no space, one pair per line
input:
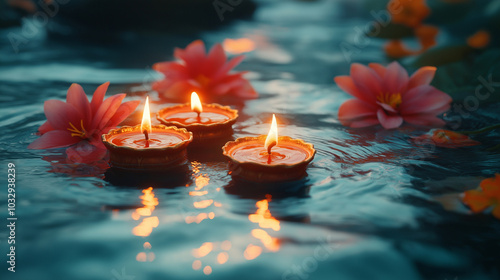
[203,80]
[77,132]
[392,99]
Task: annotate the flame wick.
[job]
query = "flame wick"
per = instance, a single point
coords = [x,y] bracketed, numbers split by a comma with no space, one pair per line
[146,135]
[270,147]
[272,137]
[146,122]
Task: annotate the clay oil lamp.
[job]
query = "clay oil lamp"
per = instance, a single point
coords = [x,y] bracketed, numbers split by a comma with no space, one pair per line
[145,147]
[269,158]
[207,122]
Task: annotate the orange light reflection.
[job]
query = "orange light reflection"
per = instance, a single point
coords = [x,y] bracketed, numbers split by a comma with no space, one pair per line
[263,216]
[150,202]
[272,244]
[202,204]
[252,252]
[204,250]
[222,257]
[238,46]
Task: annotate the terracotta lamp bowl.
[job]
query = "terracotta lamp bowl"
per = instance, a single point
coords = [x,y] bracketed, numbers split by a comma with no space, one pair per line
[249,160]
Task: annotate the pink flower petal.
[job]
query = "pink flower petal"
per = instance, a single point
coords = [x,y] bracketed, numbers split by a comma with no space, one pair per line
[98,97]
[423,99]
[379,69]
[54,139]
[215,60]
[439,110]
[346,84]
[389,121]
[45,127]
[355,109]
[227,67]
[207,74]
[367,81]
[422,76]
[193,56]
[162,85]
[180,90]
[77,97]
[244,90]
[60,114]
[123,112]
[387,107]
[107,110]
[424,120]
[227,84]
[172,70]
[396,78]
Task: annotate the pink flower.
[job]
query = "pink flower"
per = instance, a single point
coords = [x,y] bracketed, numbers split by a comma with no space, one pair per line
[77,119]
[387,95]
[206,74]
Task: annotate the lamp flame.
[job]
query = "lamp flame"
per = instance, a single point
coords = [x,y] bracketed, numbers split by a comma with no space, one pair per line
[196,103]
[146,119]
[272,136]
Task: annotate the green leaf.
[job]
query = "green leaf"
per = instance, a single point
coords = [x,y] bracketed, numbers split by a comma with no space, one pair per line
[442,55]
[461,79]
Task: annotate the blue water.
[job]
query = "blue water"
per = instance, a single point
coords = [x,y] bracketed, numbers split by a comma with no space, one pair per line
[373,206]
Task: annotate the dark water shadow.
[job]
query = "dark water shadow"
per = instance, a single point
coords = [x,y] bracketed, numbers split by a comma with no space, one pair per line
[243,188]
[171,178]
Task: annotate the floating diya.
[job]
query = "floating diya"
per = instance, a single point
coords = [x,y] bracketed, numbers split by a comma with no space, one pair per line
[146,147]
[205,121]
[269,158]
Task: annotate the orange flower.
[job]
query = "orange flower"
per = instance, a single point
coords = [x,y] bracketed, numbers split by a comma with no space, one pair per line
[479,40]
[488,195]
[426,35]
[396,49]
[446,138]
[408,12]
